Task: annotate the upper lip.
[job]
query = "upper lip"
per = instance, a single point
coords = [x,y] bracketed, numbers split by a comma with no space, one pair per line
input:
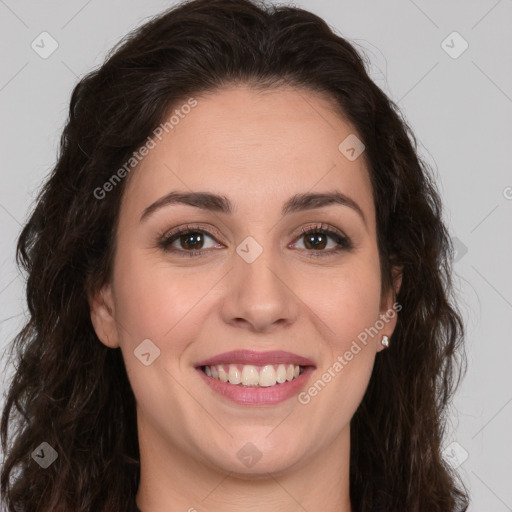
[256,358]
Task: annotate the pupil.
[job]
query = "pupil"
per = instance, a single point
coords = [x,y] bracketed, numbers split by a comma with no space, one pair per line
[317,236]
[186,238]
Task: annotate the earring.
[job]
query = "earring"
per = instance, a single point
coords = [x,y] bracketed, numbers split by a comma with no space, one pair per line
[385,341]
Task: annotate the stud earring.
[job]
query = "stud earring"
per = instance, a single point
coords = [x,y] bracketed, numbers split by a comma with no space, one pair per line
[385,341]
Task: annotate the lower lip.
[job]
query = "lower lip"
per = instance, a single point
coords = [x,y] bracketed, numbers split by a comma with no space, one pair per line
[245,395]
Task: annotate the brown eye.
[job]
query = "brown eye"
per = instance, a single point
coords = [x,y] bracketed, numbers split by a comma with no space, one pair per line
[192,240]
[315,240]
[187,241]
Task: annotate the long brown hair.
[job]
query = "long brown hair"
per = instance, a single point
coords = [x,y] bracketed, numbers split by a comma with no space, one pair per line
[71,391]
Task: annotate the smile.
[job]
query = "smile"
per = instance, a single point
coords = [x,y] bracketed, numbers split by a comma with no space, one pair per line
[256,378]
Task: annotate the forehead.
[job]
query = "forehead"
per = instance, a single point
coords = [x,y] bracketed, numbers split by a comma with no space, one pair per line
[256,147]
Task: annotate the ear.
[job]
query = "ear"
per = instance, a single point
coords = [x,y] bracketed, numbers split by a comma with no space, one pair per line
[103,316]
[389,307]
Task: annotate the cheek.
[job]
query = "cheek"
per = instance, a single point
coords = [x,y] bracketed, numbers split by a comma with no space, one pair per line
[162,304]
[347,299]
[348,302]
[340,383]
[152,299]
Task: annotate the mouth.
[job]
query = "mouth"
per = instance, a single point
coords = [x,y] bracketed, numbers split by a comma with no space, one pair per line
[256,378]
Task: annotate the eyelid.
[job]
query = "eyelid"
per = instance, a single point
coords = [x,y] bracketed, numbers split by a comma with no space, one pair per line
[208,229]
[320,226]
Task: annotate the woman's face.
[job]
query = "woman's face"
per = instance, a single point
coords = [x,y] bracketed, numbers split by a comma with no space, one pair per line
[247,279]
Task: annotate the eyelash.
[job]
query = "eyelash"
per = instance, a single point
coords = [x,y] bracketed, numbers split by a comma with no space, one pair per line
[344,243]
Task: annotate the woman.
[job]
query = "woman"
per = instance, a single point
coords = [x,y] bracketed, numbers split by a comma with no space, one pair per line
[238,285]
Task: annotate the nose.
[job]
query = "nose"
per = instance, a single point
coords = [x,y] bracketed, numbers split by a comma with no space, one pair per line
[260,294]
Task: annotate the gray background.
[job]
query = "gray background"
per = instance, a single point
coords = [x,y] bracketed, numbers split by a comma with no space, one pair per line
[459,108]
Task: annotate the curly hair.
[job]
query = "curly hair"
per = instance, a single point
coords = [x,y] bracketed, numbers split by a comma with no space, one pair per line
[73,392]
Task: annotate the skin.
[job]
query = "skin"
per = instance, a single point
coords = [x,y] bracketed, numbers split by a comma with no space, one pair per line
[257,149]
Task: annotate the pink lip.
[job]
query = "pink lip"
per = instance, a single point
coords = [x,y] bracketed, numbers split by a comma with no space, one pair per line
[256,358]
[245,395]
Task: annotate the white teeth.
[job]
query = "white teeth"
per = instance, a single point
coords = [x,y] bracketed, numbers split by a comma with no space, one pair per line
[235,377]
[223,376]
[267,376]
[250,375]
[281,374]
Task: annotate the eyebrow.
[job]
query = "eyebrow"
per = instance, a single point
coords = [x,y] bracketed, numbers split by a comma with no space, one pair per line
[221,204]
